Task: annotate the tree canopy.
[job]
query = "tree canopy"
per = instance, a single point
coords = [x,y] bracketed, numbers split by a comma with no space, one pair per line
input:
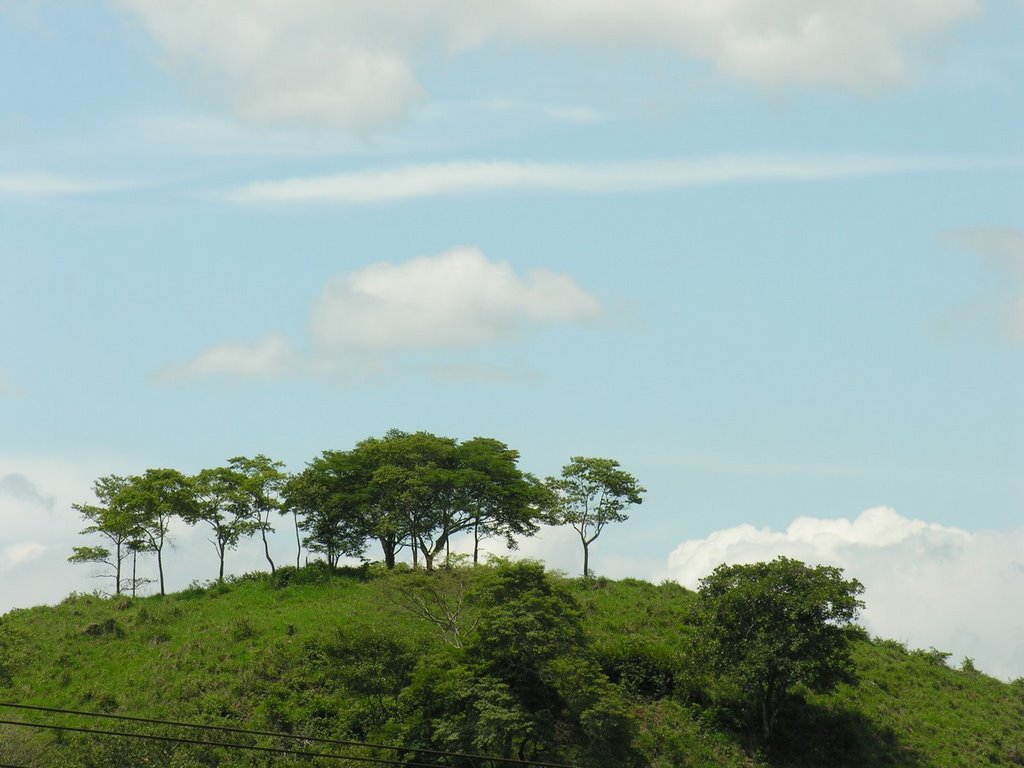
[591,493]
[411,491]
[768,627]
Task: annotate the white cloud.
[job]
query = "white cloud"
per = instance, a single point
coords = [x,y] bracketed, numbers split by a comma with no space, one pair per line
[41,184]
[925,584]
[455,299]
[353,64]
[432,179]
[271,356]
[452,301]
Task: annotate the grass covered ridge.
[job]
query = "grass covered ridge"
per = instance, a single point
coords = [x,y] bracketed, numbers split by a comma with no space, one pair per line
[472,659]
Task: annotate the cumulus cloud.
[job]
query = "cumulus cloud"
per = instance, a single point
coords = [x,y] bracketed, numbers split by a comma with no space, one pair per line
[354,64]
[925,584]
[455,299]
[1003,251]
[416,181]
[452,301]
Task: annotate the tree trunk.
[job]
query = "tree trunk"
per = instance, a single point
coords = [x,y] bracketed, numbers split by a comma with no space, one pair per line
[117,570]
[159,566]
[476,541]
[135,557]
[298,540]
[266,546]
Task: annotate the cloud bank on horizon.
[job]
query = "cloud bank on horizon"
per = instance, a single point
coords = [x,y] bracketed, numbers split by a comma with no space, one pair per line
[361,65]
[925,584]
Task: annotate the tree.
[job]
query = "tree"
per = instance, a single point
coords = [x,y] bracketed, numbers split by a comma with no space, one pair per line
[521,682]
[155,498]
[438,488]
[114,521]
[590,494]
[326,500]
[415,478]
[260,488]
[768,627]
[498,497]
[218,501]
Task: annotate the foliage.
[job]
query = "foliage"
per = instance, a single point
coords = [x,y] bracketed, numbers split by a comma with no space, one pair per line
[768,627]
[414,490]
[328,653]
[522,681]
[328,500]
[155,498]
[260,483]
[591,493]
[115,522]
[219,503]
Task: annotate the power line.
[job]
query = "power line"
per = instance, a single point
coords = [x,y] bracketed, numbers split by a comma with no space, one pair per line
[200,742]
[508,761]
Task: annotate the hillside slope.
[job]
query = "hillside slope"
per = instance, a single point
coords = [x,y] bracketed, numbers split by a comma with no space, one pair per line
[354,656]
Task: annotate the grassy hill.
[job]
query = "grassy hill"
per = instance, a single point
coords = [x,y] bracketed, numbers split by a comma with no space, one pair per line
[355,656]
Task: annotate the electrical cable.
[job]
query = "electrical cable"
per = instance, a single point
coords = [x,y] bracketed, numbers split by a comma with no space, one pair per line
[508,761]
[199,742]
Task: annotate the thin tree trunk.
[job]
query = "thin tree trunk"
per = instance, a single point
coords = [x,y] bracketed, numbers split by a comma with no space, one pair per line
[117,571]
[135,557]
[476,541]
[266,546]
[298,540]
[159,566]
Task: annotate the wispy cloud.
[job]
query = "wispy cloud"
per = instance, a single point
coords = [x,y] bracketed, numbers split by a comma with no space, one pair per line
[271,357]
[43,184]
[1003,250]
[365,319]
[417,181]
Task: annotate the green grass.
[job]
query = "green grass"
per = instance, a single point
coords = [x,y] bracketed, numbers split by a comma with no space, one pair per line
[322,654]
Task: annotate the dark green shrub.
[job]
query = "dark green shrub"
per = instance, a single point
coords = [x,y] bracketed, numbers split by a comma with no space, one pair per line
[639,669]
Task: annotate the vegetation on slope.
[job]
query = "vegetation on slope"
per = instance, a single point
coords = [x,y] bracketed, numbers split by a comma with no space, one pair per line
[496,660]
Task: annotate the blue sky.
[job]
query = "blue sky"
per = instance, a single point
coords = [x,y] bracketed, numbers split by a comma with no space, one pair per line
[769,256]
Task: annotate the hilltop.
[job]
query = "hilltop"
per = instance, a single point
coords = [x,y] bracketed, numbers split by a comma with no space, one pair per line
[383,656]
